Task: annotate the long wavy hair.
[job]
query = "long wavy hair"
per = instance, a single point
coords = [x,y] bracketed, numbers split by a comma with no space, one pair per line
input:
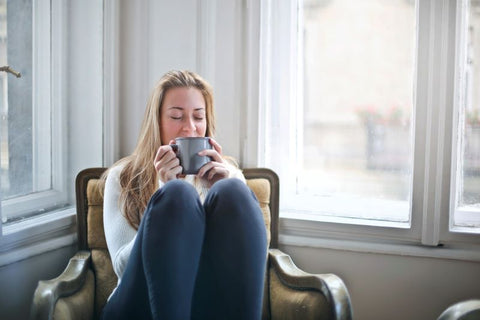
[138,179]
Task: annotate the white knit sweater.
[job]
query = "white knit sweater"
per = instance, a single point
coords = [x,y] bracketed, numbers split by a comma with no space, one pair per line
[120,235]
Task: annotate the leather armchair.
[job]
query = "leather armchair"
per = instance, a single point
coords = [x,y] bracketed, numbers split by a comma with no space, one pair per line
[464,310]
[81,291]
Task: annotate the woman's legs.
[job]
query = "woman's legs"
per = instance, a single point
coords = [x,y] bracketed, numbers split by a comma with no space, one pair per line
[231,274]
[160,275]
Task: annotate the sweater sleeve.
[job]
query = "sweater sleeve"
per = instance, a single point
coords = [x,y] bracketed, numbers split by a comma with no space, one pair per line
[120,235]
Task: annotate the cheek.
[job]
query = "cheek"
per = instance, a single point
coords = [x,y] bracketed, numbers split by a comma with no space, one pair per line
[202,128]
[169,129]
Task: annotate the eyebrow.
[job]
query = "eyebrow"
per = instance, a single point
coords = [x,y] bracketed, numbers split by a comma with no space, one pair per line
[180,108]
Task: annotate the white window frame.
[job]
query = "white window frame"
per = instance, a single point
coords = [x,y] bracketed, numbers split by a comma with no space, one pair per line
[438,29]
[468,212]
[45,119]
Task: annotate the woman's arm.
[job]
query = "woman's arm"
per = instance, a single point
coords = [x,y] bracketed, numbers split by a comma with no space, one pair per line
[120,235]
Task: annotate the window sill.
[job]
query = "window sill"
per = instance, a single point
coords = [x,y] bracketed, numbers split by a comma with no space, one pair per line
[303,233]
[37,235]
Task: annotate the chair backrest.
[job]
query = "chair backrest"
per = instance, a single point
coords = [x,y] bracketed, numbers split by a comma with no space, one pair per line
[264,183]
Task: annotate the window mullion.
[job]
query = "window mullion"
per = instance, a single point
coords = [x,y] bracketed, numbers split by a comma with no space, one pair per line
[41,124]
[59,112]
[433,118]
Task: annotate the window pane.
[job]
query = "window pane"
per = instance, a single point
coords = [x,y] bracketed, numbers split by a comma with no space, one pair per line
[468,186]
[44,113]
[25,105]
[16,100]
[358,101]
[3,98]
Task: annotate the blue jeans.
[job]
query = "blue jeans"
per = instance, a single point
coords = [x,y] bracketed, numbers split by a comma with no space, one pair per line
[194,261]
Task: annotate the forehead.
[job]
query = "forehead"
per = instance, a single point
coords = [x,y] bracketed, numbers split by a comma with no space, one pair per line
[183,98]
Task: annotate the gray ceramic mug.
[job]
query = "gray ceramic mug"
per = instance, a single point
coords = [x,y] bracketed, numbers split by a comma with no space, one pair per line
[187,149]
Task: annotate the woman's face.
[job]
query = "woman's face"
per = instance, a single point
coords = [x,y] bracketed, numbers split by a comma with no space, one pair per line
[183,114]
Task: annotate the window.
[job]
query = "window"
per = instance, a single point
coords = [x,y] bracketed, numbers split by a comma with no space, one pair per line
[51,124]
[367,109]
[466,192]
[27,180]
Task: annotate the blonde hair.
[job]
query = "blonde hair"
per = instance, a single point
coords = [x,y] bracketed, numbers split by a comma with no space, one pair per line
[138,179]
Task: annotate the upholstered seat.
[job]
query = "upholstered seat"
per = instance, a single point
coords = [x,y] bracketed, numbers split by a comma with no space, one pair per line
[81,291]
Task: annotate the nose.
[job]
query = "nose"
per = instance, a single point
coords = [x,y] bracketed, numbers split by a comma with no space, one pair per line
[189,127]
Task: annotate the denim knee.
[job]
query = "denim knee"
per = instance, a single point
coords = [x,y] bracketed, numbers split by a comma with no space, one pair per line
[176,189]
[231,197]
[232,190]
[174,194]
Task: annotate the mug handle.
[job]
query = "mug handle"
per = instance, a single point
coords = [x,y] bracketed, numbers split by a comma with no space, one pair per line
[174,147]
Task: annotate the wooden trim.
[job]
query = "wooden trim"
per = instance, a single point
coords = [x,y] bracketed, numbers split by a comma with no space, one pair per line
[272,177]
[81,183]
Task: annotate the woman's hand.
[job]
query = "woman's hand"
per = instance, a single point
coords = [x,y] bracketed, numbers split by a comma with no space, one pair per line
[166,163]
[217,168]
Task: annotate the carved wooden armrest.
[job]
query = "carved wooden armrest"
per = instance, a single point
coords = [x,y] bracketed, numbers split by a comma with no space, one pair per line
[69,282]
[301,295]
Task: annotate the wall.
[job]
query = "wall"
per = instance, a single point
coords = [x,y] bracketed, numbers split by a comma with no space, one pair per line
[202,36]
[20,279]
[394,287]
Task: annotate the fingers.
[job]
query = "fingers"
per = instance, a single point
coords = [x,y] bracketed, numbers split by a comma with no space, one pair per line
[213,171]
[215,145]
[167,164]
[217,174]
[215,153]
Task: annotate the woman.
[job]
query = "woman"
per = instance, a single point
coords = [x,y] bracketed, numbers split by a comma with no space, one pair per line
[183,247]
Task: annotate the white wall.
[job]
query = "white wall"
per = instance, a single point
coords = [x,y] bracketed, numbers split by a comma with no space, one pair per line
[202,36]
[209,36]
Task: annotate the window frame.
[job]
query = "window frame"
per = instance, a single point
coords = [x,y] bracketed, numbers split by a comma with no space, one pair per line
[438,32]
[46,117]
[462,25]
[79,97]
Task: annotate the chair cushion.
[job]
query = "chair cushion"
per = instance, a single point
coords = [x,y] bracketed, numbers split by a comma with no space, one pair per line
[261,188]
[95,234]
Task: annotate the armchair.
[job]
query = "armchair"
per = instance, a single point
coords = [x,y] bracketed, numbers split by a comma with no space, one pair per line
[464,310]
[81,291]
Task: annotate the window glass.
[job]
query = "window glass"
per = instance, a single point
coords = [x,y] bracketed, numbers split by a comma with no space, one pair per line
[26,177]
[358,98]
[468,184]
[3,98]
[16,98]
